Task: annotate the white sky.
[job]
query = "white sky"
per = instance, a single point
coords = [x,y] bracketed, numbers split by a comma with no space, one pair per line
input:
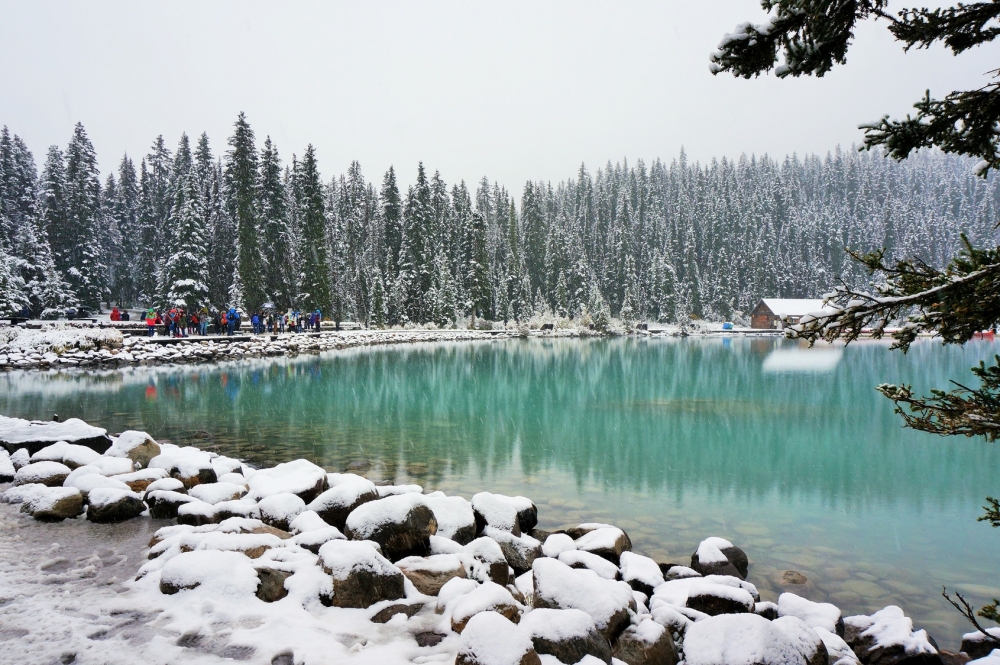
[511,90]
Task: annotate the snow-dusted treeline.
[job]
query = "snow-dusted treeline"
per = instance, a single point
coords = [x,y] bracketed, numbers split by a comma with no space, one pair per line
[660,241]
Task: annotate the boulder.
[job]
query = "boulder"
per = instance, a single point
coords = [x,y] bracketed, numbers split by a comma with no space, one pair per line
[361,576]
[239,508]
[454,516]
[718,556]
[487,597]
[601,566]
[197,513]
[674,572]
[92,481]
[50,474]
[507,513]
[299,477]
[646,643]
[19,458]
[767,610]
[805,639]
[272,584]
[488,561]
[53,504]
[307,520]
[7,469]
[113,466]
[816,615]
[386,613]
[402,525]
[315,539]
[557,586]
[676,592]
[139,481]
[163,504]
[278,510]
[569,635]
[168,484]
[70,454]
[839,652]
[453,589]
[715,599]
[520,551]
[747,639]
[138,447]
[336,503]
[640,572]
[188,464]
[217,573]
[607,542]
[490,638]
[106,505]
[978,645]
[21,493]
[429,574]
[557,543]
[218,492]
[887,637]
[34,435]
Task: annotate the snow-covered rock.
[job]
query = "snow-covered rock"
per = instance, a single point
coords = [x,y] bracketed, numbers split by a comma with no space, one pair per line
[188,464]
[213,572]
[455,518]
[429,574]
[838,651]
[607,541]
[52,504]
[978,645]
[558,586]
[580,559]
[169,484]
[113,466]
[640,572]
[767,610]
[315,539]
[887,637]
[746,639]
[487,561]
[569,635]
[300,477]
[236,508]
[490,638]
[34,435]
[108,504]
[218,492]
[715,599]
[556,544]
[7,469]
[401,524]
[646,643]
[347,492]
[361,576]
[487,597]
[307,520]
[163,504]
[52,474]
[20,457]
[92,481]
[679,573]
[513,514]
[139,481]
[197,513]
[520,551]
[816,615]
[718,556]
[70,454]
[136,446]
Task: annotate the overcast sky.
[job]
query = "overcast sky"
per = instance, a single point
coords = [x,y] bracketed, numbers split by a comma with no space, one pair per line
[511,90]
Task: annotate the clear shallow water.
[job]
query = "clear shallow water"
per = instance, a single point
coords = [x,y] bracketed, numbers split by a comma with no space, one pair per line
[787,451]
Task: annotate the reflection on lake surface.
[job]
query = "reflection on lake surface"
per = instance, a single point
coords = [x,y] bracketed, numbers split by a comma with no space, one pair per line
[787,451]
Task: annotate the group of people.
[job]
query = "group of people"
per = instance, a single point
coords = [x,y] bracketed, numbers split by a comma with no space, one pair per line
[179,322]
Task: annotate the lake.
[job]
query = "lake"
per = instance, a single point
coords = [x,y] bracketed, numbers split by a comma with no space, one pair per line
[787,451]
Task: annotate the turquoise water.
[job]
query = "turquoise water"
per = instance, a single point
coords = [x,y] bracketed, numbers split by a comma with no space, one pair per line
[787,451]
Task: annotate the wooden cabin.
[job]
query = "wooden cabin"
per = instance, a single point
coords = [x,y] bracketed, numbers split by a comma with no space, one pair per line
[770,312]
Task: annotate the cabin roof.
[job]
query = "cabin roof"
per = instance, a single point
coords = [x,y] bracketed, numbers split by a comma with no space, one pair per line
[792,306]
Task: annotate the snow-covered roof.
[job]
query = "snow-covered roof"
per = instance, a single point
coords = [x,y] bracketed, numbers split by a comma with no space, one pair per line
[792,306]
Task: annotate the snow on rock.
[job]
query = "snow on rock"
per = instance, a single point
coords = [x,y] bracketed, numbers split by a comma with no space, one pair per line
[742,639]
[169,484]
[452,590]
[556,544]
[217,492]
[109,504]
[92,481]
[53,504]
[606,541]
[300,477]
[237,508]
[307,520]
[216,574]
[767,610]
[526,586]
[558,586]
[640,572]
[70,454]
[251,545]
[714,599]
[978,645]
[579,559]
[401,524]
[394,490]
[361,576]
[513,514]
[520,551]
[675,592]
[487,561]
[992,659]
[34,435]
[455,518]
[113,466]
[231,477]
[646,642]
[197,513]
[315,539]
[188,464]
[836,648]
[487,597]
[672,618]
[20,493]
[569,634]
[139,481]
[136,446]
[806,640]
[7,469]
[52,474]
[347,492]
[718,556]
[20,457]
[816,615]
[490,638]
[680,572]
[887,636]
[429,574]
[164,504]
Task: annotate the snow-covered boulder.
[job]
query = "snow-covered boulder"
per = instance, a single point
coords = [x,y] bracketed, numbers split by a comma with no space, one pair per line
[218,573]
[218,492]
[520,551]
[300,477]
[20,457]
[816,615]
[607,541]
[34,435]
[715,599]
[278,510]
[569,635]
[163,504]
[7,469]
[188,464]
[487,597]
[992,659]
[52,504]
[452,590]
[51,474]
[402,525]
[361,576]
[92,481]
[640,572]
[490,638]
[197,513]
[429,574]
[839,652]
[139,481]
[237,508]
[978,645]
[168,484]
[887,637]
[347,492]
[395,490]
[675,572]
[454,516]
[718,556]
[580,559]
[514,514]
[747,639]
[675,592]
[556,544]
[137,446]
[767,610]
[70,454]
[558,586]
[488,562]
[113,466]
[315,539]
[20,493]
[307,520]
[108,504]
[646,643]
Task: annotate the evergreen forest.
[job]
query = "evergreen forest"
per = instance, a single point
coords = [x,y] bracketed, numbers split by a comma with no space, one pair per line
[240,226]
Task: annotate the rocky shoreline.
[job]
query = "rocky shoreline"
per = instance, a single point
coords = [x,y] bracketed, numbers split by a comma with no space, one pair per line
[392,573]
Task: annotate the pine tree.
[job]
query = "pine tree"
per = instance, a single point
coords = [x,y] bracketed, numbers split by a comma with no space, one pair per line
[241,203]
[378,307]
[186,274]
[125,216]
[276,233]
[12,292]
[316,292]
[475,265]
[84,262]
[222,256]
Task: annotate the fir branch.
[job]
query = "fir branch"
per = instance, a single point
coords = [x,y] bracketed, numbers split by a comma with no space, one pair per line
[992,512]
[987,612]
[960,28]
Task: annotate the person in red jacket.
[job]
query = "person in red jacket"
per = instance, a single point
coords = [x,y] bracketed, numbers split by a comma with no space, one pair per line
[151,321]
[115,314]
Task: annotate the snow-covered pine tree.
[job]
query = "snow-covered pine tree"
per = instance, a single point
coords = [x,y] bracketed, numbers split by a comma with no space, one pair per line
[12,291]
[186,267]
[241,203]
[276,236]
[316,292]
[80,240]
